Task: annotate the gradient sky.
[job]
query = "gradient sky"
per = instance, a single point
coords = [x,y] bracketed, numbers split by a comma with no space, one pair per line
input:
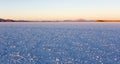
[59,9]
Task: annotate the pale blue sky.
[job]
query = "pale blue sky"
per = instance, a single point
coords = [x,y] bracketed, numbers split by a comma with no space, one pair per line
[59,9]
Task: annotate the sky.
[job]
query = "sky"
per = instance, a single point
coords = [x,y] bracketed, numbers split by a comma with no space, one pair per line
[60,9]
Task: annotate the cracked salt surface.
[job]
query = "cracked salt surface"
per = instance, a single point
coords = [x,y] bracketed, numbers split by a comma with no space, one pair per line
[59,43]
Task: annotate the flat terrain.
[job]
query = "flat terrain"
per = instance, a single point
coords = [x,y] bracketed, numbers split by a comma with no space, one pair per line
[59,43]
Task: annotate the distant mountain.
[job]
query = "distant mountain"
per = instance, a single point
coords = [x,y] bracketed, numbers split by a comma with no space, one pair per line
[6,20]
[1,20]
[80,20]
[107,20]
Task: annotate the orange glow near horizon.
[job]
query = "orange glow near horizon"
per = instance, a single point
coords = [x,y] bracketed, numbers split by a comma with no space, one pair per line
[60,10]
[60,16]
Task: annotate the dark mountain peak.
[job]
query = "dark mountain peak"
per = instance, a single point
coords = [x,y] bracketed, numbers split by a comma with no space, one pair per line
[6,20]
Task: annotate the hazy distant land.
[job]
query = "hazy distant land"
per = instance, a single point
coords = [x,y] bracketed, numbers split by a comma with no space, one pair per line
[107,20]
[81,20]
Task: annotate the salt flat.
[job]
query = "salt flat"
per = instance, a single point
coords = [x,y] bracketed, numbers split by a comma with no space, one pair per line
[59,43]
